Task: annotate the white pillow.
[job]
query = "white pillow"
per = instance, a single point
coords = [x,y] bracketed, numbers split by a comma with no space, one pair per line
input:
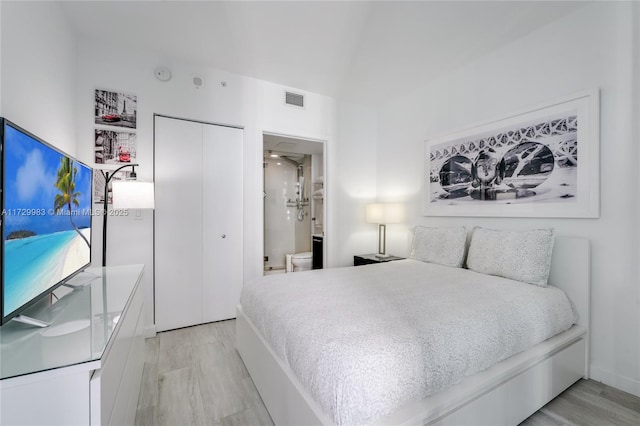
[444,246]
[518,255]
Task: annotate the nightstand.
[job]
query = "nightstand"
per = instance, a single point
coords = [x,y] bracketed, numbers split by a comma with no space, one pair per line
[367,259]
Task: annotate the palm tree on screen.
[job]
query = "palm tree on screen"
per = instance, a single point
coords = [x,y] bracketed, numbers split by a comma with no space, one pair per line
[66,184]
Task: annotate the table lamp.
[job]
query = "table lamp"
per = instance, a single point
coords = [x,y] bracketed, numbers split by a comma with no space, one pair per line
[384,214]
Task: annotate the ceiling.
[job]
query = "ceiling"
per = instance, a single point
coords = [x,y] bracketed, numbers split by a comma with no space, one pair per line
[361,51]
[282,144]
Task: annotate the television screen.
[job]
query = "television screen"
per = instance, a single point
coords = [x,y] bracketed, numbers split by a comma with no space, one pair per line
[46,214]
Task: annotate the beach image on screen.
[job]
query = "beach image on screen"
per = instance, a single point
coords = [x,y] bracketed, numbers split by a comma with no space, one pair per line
[47,218]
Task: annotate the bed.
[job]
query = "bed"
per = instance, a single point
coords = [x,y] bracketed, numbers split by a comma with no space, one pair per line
[295,377]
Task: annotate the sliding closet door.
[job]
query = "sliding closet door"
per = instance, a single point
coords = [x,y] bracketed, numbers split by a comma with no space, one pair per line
[178,218]
[222,222]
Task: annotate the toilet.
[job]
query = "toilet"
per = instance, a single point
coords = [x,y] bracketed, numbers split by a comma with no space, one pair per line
[299,261]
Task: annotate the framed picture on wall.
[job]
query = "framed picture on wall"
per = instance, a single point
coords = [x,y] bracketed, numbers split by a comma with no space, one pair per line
[115,109]
[111,147]
[543,162]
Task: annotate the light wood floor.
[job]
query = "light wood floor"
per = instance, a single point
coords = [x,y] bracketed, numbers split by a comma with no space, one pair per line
[194,376]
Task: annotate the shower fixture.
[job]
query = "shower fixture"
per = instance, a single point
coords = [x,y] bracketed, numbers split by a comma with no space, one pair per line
[300,202]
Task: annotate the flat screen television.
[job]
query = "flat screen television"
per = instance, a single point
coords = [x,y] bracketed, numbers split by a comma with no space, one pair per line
[46,219]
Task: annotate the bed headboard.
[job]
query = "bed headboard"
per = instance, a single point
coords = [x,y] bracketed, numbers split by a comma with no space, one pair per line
[570,271]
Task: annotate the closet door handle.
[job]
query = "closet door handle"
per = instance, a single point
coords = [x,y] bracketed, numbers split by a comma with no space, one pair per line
[224,235]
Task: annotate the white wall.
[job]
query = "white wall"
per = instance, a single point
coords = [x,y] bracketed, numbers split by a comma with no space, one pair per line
[38,70]
[354,171]
[636,113]
[593,47]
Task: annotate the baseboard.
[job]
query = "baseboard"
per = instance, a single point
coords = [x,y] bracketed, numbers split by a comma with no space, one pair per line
[150,331]
[623,383]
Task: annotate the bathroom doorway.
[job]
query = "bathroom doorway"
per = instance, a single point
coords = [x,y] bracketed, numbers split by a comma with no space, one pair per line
[294,204]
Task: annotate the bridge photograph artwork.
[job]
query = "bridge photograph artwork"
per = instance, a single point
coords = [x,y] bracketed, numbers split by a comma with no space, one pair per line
[541,163]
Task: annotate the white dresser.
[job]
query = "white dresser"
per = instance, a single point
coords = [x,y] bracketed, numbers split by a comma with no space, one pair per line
[86,367]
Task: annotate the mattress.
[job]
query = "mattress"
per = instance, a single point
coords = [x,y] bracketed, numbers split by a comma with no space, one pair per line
[366,340]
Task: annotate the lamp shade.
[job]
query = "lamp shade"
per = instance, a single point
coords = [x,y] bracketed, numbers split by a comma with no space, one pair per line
[384,213]
[133,194]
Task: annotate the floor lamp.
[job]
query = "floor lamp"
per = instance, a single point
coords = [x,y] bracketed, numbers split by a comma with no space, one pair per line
[384,214]
[126,194]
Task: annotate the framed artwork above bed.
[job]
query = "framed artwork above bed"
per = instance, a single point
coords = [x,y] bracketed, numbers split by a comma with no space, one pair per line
[543,162]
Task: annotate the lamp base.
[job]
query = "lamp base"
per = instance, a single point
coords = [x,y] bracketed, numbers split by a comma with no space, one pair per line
[382,255]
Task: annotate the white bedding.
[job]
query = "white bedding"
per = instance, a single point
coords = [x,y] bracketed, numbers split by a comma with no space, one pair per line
[366,340]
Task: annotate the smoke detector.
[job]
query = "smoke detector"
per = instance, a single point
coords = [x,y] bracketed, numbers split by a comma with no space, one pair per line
[162,73]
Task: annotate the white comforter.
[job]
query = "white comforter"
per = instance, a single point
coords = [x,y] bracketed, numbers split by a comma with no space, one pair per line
[365,340]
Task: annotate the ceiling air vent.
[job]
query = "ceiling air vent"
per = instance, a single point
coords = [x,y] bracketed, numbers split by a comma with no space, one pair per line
[294,99]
